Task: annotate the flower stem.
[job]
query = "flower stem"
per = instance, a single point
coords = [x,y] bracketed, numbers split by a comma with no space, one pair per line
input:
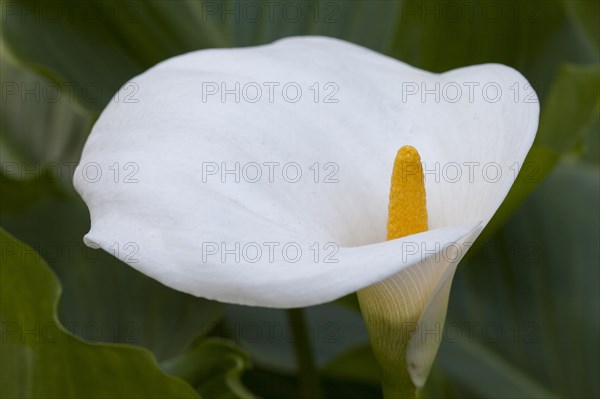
[307,371]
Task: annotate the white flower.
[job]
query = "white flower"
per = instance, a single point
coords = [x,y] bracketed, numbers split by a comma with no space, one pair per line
[154,171]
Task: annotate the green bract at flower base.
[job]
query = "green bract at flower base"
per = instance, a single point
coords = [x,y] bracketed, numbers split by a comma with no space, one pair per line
[227,158]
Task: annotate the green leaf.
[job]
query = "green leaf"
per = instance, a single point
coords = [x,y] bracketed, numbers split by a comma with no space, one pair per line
[571,107]
[105,300]
[214,366]
[586,15]
[93,48]
[41,137]
[523,318]
[40,122]
[18,195]
[40,358]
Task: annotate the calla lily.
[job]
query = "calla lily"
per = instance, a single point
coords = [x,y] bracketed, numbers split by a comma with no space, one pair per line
[206,156]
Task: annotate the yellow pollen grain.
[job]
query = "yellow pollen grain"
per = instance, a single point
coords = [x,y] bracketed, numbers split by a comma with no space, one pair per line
[407,210]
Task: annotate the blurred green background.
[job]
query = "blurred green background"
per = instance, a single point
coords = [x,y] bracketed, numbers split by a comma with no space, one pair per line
[524,313]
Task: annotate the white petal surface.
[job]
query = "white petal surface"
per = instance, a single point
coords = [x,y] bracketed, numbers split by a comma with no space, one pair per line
[161,213]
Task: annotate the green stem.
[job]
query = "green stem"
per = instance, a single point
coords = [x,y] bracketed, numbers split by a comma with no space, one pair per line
[307,371]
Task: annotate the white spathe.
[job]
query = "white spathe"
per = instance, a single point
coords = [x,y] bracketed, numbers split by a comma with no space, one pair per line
[152,170]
